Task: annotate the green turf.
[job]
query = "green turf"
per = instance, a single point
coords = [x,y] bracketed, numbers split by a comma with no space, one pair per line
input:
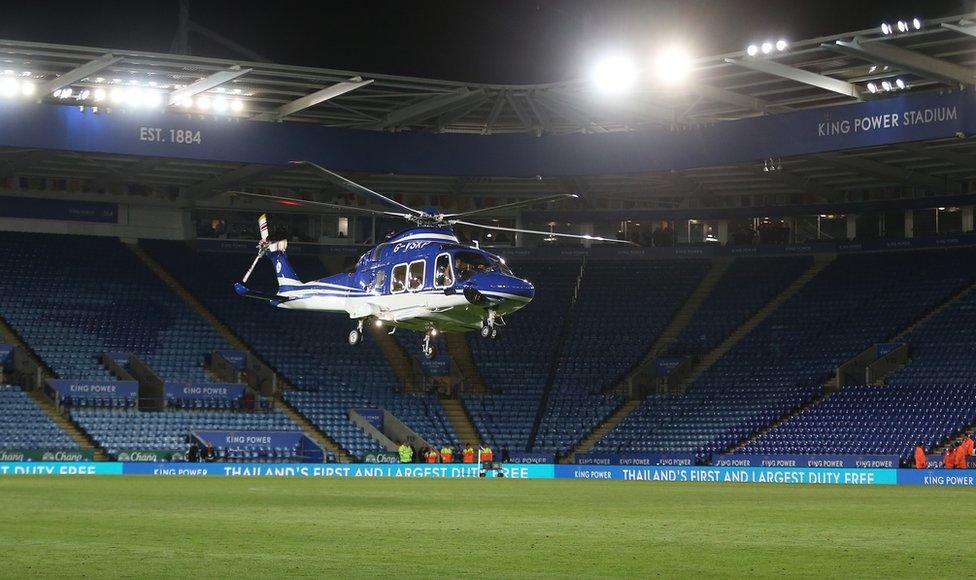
[143,526]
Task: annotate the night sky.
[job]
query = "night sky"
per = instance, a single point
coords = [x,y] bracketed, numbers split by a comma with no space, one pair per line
[496,41]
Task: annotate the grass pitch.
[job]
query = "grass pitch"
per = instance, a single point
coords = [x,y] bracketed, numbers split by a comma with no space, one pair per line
[216,527]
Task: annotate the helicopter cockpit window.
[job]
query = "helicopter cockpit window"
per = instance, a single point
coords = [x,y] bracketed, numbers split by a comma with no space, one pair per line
[399,283]
[443,276]
[468,263]
[379,280]
[416,279]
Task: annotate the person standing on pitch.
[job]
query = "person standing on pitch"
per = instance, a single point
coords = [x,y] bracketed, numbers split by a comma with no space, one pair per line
[487,458]
[921,461]
[447,454]
[405,452]
[468,454]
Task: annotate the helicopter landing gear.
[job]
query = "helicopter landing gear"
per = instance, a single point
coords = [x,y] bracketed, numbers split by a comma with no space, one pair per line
[489,328]
[430,351]
[356,334]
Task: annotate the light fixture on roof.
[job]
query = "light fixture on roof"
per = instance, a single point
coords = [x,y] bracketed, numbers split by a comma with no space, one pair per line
[872,88]
[614,74]
[767,47]
[752,50]
[916,24]
[885,28]
[98,95]
[220,105]
[900,83]
[886,85]
[116,96]
[27,88]
[237,106]
[781,44]
[203,103]
[8,87]
[152,99]
[902,26]
[672,65]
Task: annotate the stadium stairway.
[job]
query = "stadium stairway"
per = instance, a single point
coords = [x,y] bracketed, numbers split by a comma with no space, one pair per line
[10,336]
[231,337]
[80,436]
[932,313]
[460,420]
[673,330]
[828,389]
[460,351]
[600,431]
[821,261]
[400,361]
[329,444]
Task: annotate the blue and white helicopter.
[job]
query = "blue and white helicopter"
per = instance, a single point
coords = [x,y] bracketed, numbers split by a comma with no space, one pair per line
[420,279]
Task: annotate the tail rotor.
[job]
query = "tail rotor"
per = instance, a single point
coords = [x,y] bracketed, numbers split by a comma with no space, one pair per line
[262,246]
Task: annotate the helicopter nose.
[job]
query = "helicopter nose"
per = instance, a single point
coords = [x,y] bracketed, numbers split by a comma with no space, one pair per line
[514,288]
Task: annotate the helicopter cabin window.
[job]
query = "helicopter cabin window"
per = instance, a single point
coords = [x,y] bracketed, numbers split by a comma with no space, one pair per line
[416,280]
[443,275]
[399,278]
[379,280]
[468,263]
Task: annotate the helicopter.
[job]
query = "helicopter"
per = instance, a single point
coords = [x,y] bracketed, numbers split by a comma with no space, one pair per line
[422,278]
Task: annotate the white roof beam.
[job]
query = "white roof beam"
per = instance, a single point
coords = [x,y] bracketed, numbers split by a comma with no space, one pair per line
[431,107]
[313,99]
[206,83]
[76,74]
[907,60]
[798,75]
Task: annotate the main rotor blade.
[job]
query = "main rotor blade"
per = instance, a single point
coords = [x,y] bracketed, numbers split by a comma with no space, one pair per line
[511,205]
[355,187]
[541,233]
[301,202]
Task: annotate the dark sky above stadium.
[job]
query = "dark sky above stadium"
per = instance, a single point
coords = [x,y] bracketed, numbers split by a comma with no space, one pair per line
[498,41]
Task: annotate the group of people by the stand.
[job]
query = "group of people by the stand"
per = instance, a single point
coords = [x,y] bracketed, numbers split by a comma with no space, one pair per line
[446,454]
[955,456]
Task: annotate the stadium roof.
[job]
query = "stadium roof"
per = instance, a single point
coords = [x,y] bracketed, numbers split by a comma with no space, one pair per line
[815,72]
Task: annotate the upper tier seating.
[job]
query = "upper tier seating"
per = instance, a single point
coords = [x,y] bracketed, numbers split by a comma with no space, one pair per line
[309,349]
[26,426]
[73,297]
[743,289]
[516,365]
[854,302]
[130,430]
[621,308]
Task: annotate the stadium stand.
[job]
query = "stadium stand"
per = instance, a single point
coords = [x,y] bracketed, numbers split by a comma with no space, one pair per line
[927,401]
[25,426]
[118,430]
[74,297]
[854,302]
[309,349]
[744,288]
[621,308]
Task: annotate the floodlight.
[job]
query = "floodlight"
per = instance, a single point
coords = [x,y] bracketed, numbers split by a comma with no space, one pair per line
[152,99]
[99,95]
[237,105]
[672,65]
[752,50]
[885,28]
[614,74]
[900,83]
[133,97]
[886,85]
[116,96]
[872,88]
[781,45]
[220,105]
[27,88]
[8,87]
[902,26]
[203,103]
[916,24]
[767,47]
